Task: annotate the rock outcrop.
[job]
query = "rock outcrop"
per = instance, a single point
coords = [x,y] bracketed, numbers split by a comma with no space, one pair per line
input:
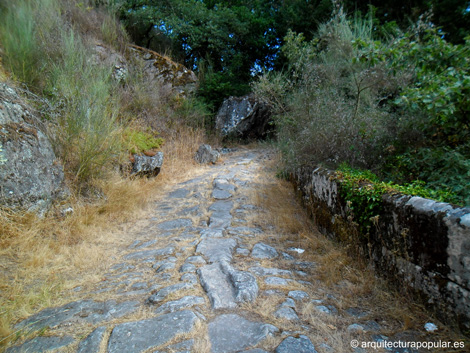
[159,70]
[173,76]
[244,117]
[30,175]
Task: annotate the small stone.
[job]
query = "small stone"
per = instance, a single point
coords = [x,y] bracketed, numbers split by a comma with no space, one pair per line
[296,250]
[286,256]
[185,302]
[264,271]
[139,285]
[263,251]
[164,292]
[223,184]
[355,328]
[205,154]
[289,302]
[189,277]
[165,267]
[175,224]
[356,312]
[91,344]
[270,292]
[243,251]
[287,313]
[298,295]
[297,345]
[323,309]
[187,268]
[276,281]
[196,260]
[430,327]
[147,244]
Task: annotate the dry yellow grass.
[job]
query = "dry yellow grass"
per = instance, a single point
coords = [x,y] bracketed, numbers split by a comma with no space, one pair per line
[348,278]
[39,257]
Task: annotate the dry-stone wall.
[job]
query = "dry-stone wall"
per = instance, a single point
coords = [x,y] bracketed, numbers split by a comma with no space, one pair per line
[420,244]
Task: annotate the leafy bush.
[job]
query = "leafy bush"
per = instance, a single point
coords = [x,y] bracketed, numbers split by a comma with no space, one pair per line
[328,104]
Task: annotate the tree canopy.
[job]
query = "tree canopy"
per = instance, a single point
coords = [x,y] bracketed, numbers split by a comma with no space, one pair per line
[229,42]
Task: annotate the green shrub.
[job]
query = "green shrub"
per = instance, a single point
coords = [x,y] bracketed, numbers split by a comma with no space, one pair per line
[327,105]
[140,141]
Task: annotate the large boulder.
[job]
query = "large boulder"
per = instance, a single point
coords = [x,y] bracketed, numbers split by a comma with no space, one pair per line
[244,117]
[30,175]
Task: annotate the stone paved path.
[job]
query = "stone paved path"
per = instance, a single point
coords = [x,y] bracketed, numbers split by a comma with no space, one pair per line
[195,280]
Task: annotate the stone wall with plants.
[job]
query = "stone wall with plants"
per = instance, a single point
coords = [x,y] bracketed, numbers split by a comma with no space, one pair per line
[420,244]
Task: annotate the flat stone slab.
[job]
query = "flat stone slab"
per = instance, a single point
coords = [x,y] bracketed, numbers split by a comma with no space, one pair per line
[217,286]
[297,345]
[212,233]
[217,249]
[196,259]
[232,333]
[164,292]
[141,335]
[263,251]
[221,206]
[264,271]
[221,194]
[91,344]
[147,254]
[175,305]
[179,194]
[86,310]
[246,231]
[277,281]
[175,224]
[42,344]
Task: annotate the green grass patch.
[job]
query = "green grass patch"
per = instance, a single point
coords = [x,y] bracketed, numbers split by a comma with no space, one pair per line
[141,141]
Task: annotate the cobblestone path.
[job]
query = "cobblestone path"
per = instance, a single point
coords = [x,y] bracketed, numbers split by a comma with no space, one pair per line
[202,276]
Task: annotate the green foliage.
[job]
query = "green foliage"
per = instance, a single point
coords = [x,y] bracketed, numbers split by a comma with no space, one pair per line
[327,105]
[443,168]
[225,42]
[363,191]
[440,86]
[140,141]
